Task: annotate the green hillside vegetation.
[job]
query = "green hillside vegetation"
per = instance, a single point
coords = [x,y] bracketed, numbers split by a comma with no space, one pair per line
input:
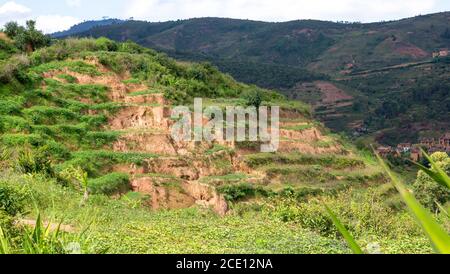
[391,61]
[58,165]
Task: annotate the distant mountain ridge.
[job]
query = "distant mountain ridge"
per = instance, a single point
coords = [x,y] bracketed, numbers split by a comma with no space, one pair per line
[85,26]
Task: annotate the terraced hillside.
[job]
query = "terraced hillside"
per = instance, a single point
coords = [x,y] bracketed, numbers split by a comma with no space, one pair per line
[85,137]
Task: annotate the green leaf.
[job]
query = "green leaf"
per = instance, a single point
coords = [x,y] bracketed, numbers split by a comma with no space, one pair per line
[440,176]
[436,234]
[434,175]
[442,209]
[347,236]
[4,242]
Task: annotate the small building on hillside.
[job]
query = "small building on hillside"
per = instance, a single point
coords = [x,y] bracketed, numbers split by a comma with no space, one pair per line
[416,154]
[441,53]
[384,151]
[403,148]
[444,141]
[427,142]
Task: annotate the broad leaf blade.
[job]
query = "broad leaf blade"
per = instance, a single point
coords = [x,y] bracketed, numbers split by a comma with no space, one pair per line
[4,242]
[440,176]
[347,236]
[436,234]
[434,175]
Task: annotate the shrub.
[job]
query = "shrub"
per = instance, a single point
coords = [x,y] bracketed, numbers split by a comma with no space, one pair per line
[93,161]
[49,115]
[105,44]
[100,138]
[254,98]
[241,191]
[15,123]
[365,214]
[75,66]
[262,159]
[110,184]
[14,69]
[34,161]
[12,201]
[11,105]
[21,139]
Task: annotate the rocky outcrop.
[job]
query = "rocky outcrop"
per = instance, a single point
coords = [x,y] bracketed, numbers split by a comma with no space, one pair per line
[163,194]
[166,194]
[143,117]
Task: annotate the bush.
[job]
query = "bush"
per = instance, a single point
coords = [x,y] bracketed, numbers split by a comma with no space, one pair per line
[31,161]
[14,69]
[254,98]
[12,201]
[364,213]
[336,162]
[110,184]
[427,191]
[233,193]
[105,44]
[49,115]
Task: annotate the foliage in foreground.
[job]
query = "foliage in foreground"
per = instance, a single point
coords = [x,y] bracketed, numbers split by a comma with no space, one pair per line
[437,235]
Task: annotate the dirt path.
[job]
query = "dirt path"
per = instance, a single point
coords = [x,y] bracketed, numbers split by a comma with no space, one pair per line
[51,226]
[383,69]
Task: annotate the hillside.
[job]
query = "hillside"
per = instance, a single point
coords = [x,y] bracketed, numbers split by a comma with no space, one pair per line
[288,56]
[85,139]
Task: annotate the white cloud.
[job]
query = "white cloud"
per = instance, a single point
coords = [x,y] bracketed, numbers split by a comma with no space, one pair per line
[73,3]
[13,11]
[54,23]
[13,7]
[279,10]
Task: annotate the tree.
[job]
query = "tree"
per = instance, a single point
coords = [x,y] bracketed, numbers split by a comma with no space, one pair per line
[12,29]
[27,38]
[254,98]
[426,190]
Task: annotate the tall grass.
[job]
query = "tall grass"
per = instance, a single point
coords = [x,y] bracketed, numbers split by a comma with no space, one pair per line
[439,238]
[39,239]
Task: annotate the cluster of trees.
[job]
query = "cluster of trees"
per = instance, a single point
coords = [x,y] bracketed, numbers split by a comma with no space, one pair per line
[26,38]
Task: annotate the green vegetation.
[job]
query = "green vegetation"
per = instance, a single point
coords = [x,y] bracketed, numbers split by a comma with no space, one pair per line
[334,161]
[26,38]
[112,183]
[428,192]
[379,64]
[58,163]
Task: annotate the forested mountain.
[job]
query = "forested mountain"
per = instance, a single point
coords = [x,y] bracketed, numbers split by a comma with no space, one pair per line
[340,68]
[85,26]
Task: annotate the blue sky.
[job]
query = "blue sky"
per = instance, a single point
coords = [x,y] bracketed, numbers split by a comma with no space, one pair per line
[54,15]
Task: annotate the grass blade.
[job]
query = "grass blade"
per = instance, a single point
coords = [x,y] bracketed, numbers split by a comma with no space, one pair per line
[434,175]
[4,242]
[436,234]
[347,236]
[440,176]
